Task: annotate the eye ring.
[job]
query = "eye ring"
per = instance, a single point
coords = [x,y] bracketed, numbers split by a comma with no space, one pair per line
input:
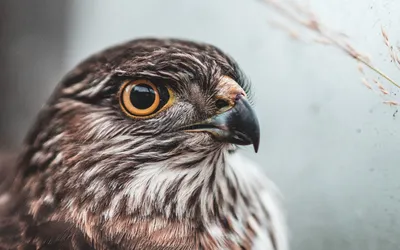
[128,103]
[147,100]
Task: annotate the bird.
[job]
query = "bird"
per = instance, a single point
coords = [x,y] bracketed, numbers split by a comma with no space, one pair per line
[138,147]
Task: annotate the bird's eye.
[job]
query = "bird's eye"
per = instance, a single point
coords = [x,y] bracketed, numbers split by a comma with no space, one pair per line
[142,98]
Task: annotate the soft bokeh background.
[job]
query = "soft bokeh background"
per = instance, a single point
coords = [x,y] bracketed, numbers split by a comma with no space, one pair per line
[328,142]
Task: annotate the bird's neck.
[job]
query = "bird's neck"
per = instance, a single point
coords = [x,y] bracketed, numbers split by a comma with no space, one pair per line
[190,186]
[183,187]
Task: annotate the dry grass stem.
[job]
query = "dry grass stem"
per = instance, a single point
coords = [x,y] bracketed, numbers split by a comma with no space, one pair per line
[302,17]
[366,83]
[391,103]
[393,54]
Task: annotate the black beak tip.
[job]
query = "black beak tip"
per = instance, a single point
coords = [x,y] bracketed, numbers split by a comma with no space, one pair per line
[255,137]
[255,145]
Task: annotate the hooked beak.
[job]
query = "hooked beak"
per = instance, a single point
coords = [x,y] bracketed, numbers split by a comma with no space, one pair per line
[238,125]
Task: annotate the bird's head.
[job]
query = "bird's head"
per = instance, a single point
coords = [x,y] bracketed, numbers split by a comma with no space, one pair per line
[146,103]
[158,95]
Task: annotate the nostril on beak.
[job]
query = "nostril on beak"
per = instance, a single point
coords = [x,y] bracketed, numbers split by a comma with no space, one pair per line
[240,95]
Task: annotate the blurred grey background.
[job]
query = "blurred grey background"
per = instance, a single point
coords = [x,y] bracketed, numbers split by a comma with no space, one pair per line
[328,142]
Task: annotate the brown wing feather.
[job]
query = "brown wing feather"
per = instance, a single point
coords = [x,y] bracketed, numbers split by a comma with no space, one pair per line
[20,233]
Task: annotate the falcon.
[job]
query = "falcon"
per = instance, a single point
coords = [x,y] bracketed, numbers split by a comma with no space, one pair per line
[137,148]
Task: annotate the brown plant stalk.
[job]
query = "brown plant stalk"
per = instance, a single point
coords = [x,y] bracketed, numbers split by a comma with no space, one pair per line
[298,15]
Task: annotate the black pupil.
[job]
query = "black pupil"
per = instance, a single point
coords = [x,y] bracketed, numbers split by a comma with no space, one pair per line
[142,96]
